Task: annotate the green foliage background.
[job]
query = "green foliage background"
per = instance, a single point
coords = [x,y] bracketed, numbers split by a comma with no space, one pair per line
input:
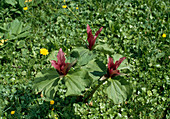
[132,28]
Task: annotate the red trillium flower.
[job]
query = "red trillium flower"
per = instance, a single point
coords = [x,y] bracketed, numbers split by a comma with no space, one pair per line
[112,68]
[61,67]
[91,39]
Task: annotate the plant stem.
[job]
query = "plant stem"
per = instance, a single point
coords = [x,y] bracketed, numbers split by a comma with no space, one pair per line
[73,13]
[101,81]
[84,42]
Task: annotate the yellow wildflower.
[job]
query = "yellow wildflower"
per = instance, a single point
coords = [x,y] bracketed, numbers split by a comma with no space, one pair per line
[64,1]
[64,6]
[1,44]
[6,40]
[12,112]
[28,0]
[52,109]
[163,35]
[77,8]
[52,102]
[25,8]
[2,41]
[44,51]
[56,118]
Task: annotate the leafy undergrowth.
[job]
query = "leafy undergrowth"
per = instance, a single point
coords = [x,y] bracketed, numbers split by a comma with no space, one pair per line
[132,28]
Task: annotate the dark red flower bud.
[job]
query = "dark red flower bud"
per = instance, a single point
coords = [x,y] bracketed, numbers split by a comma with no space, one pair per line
[61,67]
[112,68]
[91,39]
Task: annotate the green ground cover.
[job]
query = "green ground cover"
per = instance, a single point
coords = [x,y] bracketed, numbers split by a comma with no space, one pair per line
[136,29]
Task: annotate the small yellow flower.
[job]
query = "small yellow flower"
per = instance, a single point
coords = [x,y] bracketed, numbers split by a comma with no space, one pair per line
[1,44]
[44,51]
[64,6]
[77,8]
[28,0]
[6,40]
[52,109]
[163,35]
[56,118]
[52,102]
[25,8]
[64,1]
[2,41]
[12,112]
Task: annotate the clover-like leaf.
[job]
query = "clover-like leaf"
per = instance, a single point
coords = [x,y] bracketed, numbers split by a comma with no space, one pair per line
[16,27]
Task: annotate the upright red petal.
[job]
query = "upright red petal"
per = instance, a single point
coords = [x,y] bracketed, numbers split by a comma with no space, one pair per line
[112,68]
[66,69]
[97,33]
[90,37]
[61,58]
[117,63]
[110,63]
[88,29]
[61,67]
[55,65]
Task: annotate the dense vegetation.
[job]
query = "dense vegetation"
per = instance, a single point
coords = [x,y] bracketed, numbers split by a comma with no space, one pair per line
[136,29]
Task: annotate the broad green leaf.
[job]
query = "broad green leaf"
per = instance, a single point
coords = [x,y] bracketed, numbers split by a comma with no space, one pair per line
[76,82]
[16,27]
[118,91]
[124,64]
[96,69]
[22,35]
[105,49]
[46,82]
[83,55]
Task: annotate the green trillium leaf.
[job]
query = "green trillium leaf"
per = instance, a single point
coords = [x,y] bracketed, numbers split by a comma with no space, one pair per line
[104,48]
[76,82]
[83,55]
[118,90]
[96,69]
[46,82]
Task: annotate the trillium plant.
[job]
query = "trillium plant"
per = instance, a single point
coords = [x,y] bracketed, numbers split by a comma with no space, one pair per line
[81,70]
